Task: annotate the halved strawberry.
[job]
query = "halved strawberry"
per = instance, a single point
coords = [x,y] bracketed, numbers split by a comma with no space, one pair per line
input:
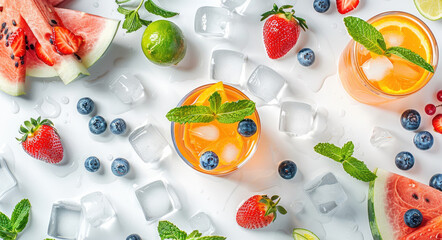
[65,41]
[345,6]
[437,123]
[18,43]
[42,55]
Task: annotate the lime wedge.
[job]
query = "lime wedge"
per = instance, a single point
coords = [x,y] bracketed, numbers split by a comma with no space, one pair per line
[431,9]
[303,234]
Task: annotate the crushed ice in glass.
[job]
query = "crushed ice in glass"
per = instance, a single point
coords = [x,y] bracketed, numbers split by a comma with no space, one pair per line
[149,144]
[326,193]
[265,83]
[297,118]
[97,209]
[212,21]
[65,220]
[127,88]
[7,179]
[380,137]
[227,66]
[202,222]
[157,200]
[377,68]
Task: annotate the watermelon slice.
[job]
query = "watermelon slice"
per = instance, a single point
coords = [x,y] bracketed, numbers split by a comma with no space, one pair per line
[55,2]
[40,17]
[390,196]
[12,74]
[97,32]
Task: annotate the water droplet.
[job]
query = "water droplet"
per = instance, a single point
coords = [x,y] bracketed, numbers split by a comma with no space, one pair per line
[47,107]
[15,108]
[109,157]
[96,4]
[64,100]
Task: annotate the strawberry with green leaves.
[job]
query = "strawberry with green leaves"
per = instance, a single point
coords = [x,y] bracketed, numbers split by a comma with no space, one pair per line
[281,30]
[41,140]
[259,211]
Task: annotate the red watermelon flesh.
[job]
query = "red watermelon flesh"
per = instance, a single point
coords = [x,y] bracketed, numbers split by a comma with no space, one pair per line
[12,75]
[55,2]
[391,195]
[431,231]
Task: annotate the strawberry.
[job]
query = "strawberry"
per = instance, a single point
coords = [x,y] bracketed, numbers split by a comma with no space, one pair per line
[281,30]
[258,212]
[345,6]
[41,54]
[41,141]
[18,43]
[65,41]
[437,123]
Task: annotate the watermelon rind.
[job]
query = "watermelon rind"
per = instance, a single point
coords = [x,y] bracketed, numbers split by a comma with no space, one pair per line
[378,218]
[12,89]
[107,36]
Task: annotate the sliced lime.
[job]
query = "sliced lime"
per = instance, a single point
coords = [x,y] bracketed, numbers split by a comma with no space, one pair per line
[431,9]
[303,234]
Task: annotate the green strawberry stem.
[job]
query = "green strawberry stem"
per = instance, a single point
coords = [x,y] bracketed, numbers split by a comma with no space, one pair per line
[272,207]
[288,15]
[30,127]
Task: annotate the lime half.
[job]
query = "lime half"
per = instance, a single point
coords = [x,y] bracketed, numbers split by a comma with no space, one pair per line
[431,9]
[303,234]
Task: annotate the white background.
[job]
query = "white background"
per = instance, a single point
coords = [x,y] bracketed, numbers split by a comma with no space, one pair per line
[219,197]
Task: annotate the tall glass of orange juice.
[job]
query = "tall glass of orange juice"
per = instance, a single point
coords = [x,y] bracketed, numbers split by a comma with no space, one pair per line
[374,79]
[192,140]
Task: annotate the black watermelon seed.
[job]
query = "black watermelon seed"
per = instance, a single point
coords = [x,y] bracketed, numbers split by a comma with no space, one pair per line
[78,57]
[32,46]
[22,57]
[1,9]
[4,25]
[415,196]
[12,56]
[54,22]
[14,23]
[16,64]
[27,48]
[6,30]
[22,62]
[1,36]
[7,36]
[51,41]
[7,44]
[427,200]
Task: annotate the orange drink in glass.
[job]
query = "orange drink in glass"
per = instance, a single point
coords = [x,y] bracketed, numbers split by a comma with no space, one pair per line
[374,79]
[191,140]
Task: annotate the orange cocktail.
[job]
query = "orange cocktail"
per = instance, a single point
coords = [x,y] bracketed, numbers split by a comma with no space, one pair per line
[374,79]
[191,140]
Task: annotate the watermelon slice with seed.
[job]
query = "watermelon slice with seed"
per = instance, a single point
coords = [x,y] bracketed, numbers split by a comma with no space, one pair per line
[390,196]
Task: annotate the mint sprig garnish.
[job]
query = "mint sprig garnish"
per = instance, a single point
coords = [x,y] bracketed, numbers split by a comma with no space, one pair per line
[133,21]
[351,165]
[229,112]
[168,230]
[10,228]
[369,37]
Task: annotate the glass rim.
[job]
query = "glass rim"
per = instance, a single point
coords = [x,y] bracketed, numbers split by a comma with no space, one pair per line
[252,152]
[433,43]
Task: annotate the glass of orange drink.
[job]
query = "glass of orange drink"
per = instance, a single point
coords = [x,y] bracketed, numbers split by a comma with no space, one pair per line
[374,79]
[192,140]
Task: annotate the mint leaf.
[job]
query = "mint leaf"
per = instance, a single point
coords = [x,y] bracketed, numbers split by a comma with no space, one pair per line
[191,114]
[132,22]
[145,22]
[215,102]
[410,56]
[168,230]
[20,215]
[6,234]
[347,150]
[5,222]
[194,234]
[123,11]
[358,170]
[121,1]
[365,34]
[329,150]
[211,238]
[154,9]
[235,111]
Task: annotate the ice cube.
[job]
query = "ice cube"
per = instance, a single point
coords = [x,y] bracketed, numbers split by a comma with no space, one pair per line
[393,39]
[47,107]
[297,118]
[149,144]
[97,209]
[202,222]
[7,179]
[326,193]
[127,88]
[157,200]
[403,69]
[65,220]
[380,137]
[265,83]
[229,153]
[212,21]
[377,68]
[209,132]
[238,6]
[227,66]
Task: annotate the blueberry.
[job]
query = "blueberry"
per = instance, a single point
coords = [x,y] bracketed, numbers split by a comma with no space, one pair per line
[118,126]
[413,218]
[120,167]
[306,57]
[411,119]
[423,140]
[404,160]
[85,106]
[209,160]
[287,169]
[247,127]
[97,125]
[321,6]
[436,181]
[133,237]
[92,164]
